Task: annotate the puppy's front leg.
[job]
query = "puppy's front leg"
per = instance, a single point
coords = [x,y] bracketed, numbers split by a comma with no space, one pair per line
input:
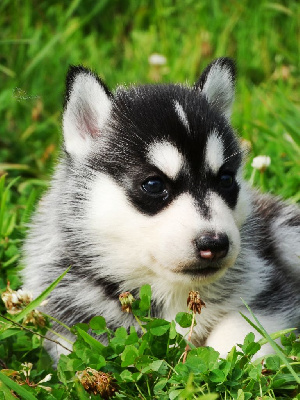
[232,330]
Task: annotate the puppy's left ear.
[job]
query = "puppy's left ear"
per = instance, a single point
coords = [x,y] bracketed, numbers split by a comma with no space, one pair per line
[88,104]
[217,83]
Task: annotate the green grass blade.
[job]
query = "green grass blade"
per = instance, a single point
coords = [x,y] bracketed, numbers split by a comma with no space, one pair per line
[20,390]
[29,206]
[12,183]
[97,346]
[4,197]
[11,166]
[2,182]
[82,394]
[58,322]
[36,302]
[6,391]
[71,9]
[252,324]
[273,344]
[42,53]
[276,335]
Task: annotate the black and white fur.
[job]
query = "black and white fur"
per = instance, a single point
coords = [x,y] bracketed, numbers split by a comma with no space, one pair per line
[149,189]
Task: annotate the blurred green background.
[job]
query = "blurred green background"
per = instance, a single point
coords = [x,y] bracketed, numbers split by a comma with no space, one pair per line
[40,39]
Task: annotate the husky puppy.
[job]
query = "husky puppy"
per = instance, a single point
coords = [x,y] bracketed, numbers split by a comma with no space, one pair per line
[149,189]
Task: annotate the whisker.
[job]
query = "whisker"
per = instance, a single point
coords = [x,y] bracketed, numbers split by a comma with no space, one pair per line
[234,154]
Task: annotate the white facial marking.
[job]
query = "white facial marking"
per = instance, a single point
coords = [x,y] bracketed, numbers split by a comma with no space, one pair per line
[167,238]
[181,114]
[166,157]
[243,207]
[214,152]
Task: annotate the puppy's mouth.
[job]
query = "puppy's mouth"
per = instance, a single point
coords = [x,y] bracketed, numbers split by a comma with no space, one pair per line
[201,271]
[203,268]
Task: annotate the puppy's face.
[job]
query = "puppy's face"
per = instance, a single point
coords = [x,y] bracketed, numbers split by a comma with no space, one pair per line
[165,196]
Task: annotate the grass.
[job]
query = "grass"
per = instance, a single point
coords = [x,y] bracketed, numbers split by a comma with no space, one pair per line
[40,39]
[154,365]
[115,38]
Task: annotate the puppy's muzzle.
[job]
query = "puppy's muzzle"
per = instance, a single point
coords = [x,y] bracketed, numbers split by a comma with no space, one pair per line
[212,246]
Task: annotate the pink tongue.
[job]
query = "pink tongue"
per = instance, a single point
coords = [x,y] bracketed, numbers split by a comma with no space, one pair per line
[206,254]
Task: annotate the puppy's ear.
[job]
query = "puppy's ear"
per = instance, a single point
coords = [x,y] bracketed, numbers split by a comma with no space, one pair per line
[217,83]
[87,108]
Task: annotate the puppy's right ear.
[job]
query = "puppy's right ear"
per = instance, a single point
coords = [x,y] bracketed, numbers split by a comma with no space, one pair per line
[88,105]
[217,83]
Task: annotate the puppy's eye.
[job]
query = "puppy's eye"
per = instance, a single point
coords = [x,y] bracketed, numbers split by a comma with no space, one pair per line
[226,180]
[154,186]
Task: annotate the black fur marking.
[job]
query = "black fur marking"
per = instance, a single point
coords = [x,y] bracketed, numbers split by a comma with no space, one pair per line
[80,269]
[111,289]
[267,211]
[293,221]
[156,309]
[276,298]
[61,311]
[138,121]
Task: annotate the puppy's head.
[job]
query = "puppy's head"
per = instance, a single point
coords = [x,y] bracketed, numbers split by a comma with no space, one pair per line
[161,166]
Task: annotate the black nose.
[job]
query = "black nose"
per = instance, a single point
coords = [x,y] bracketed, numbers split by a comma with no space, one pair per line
[212,246]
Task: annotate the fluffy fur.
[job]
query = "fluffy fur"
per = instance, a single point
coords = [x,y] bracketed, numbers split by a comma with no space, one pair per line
[149,189]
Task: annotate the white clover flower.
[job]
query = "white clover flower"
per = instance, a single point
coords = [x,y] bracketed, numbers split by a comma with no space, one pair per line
[24,296]
[157,59]
[46,379]
[35,317]
[26,370]
[15,301]
[261,162]
[14,298]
